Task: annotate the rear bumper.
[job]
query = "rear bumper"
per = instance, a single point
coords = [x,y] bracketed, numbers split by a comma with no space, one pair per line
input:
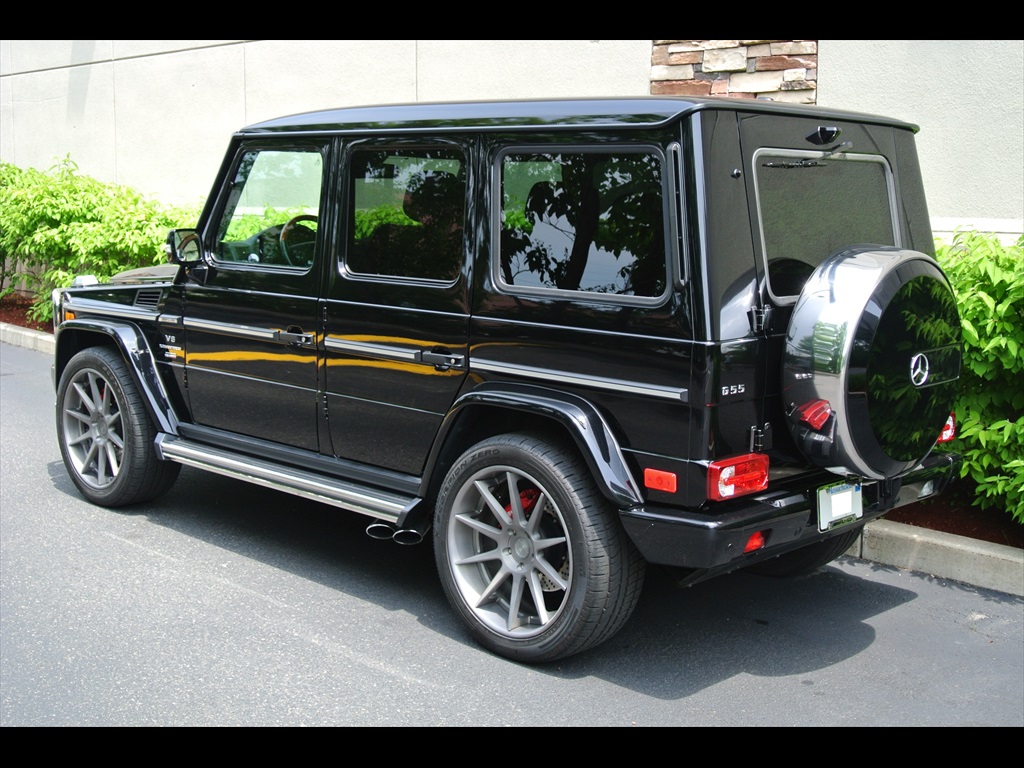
[713,537]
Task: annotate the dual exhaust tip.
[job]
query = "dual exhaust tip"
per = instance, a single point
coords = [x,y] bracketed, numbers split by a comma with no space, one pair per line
[384,531]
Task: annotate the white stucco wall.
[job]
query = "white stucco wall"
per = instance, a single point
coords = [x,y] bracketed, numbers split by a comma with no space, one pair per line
[968,98]
[156,115]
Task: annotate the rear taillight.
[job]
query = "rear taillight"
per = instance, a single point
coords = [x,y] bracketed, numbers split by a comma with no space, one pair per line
[729,478]
[948,431]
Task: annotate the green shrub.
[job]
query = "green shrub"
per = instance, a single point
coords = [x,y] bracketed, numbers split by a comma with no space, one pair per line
[988,279]
[59,224]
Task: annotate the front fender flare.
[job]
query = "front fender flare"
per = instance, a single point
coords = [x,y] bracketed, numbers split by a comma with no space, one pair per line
[72,336]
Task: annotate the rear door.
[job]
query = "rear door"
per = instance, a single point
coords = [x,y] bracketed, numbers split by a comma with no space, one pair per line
[819,187]
[396,311]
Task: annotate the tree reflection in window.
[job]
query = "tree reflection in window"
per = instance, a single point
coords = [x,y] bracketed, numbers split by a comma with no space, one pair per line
[584,221]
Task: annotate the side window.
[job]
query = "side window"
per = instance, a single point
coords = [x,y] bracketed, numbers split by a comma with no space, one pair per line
[271,216]
[590,221]
[406,212]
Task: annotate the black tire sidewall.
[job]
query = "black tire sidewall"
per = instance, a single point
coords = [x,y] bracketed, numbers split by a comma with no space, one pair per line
[535,458]
[135,426]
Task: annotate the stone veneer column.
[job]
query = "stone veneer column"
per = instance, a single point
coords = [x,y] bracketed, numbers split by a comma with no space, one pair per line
[780,70]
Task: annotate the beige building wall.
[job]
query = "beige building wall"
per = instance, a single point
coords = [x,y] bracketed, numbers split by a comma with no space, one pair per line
[968,98]
[156,115]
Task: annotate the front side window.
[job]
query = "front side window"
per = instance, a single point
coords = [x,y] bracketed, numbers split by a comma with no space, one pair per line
[271,216]
[812,206]
[583,221]
[406,212]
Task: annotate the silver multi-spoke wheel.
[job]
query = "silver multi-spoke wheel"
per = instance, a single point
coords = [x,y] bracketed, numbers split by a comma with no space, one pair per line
[92,428]
[530,553]
[508,545]
[106,435]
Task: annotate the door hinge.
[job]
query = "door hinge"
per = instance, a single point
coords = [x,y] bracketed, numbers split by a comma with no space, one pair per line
[761,318]
[760,438]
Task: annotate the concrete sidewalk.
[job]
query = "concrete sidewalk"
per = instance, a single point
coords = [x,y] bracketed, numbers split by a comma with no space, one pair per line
[943,555]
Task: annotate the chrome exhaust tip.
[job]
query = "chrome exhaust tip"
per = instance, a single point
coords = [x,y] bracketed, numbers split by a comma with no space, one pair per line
[407,536]
[380,531]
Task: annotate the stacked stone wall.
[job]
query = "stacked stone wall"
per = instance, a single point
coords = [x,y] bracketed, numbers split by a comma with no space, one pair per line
[780,70]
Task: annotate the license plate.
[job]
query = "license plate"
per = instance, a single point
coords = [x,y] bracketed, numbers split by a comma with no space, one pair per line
[839,504]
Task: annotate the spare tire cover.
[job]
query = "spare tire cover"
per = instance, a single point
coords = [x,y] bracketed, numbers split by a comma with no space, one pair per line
[872,361]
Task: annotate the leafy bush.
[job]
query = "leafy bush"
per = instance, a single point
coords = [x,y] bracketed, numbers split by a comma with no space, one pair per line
[988,279]
[59,224]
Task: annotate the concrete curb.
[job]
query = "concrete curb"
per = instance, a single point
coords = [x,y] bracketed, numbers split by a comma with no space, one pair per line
[943,555]
[27,338]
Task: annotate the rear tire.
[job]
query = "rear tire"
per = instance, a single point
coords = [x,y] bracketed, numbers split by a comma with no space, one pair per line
[530,554]
[807,559]
[105,433]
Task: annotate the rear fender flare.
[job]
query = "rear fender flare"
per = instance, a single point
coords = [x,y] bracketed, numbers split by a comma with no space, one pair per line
[578,417]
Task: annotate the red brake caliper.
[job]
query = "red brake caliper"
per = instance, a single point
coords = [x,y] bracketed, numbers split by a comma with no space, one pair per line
[527,497]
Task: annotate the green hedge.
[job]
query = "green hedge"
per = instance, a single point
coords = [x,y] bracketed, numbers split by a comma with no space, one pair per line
[57,224]
[988,279]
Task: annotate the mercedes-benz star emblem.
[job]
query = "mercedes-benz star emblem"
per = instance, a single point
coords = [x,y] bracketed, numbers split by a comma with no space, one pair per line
[919,369]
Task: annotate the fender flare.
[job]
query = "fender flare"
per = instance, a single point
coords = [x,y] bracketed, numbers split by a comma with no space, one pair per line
[580,419]
[72,336]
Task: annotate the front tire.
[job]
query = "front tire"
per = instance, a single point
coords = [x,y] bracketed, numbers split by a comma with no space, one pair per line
[105,434]
[530,554]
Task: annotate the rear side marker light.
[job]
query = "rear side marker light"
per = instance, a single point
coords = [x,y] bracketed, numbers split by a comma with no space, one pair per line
[738,476]
[948,431]
[659,480]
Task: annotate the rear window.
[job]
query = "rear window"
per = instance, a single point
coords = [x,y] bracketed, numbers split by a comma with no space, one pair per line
[812,205]
[583,222]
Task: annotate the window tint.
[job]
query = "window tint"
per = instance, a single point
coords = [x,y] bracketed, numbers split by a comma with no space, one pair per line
[406,213]
[583,221]
[811,207]
[271,215]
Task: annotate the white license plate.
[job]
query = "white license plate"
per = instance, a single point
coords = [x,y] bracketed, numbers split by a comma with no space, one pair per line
[839,504]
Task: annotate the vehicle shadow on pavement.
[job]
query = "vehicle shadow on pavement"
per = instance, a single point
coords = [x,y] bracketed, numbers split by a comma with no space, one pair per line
[678,642]
[682,640]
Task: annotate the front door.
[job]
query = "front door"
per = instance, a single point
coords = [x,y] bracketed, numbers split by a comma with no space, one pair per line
[251,328]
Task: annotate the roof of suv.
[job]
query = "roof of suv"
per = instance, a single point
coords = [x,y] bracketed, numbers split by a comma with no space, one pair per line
[621,112]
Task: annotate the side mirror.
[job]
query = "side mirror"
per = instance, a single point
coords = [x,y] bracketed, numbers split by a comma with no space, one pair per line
[183,247]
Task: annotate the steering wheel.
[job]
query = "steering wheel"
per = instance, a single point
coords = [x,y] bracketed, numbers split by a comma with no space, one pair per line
[286,231]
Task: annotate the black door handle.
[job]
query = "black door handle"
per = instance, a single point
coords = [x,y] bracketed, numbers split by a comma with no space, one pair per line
[443,361]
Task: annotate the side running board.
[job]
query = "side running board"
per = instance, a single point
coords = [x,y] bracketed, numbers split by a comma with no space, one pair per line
[366,500]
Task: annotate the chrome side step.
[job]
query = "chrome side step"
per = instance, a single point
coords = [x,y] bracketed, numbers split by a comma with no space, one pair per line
[373,502]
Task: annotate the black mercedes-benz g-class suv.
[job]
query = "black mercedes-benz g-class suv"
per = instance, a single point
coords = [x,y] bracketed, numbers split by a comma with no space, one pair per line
[566,339]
